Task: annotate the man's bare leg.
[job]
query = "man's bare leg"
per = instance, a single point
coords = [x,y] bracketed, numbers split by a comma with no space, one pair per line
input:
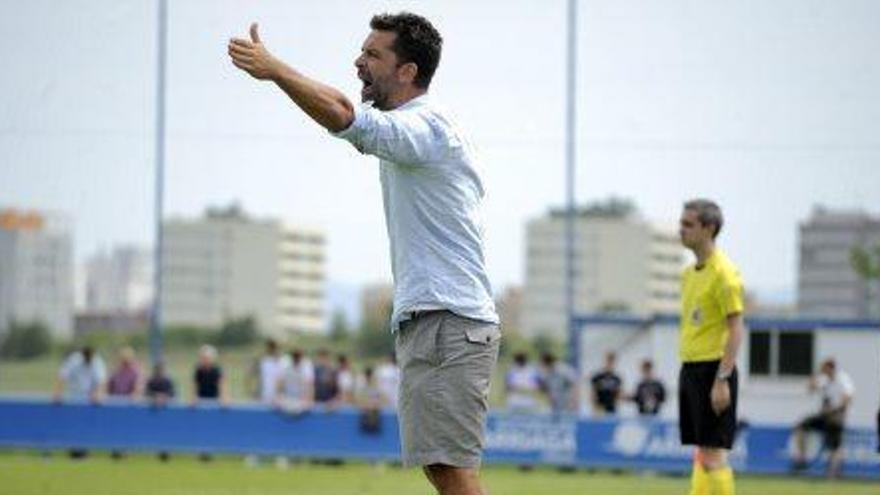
[450,480]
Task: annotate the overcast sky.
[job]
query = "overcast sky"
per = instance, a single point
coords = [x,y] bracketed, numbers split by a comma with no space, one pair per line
[768,107]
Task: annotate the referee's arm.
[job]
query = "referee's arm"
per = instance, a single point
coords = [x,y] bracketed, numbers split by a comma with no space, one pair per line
[736,330]
[720,394]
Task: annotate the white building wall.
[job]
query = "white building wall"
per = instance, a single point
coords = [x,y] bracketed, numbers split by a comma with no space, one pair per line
[781,400]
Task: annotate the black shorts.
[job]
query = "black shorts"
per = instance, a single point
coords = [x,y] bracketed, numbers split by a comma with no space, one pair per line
[697,422]
[832,431]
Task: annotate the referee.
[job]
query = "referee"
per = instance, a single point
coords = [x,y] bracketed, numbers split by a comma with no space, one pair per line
[711,332]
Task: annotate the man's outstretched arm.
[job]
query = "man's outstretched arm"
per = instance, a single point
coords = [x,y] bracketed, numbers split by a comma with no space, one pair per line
[325,105]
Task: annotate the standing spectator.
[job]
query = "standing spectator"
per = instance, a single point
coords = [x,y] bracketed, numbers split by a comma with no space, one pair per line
[370,401]
[326,389]
[81,378]
[606,386]
[271,367]
[559,383]
[836,389]
[125,382]
[650,392]
[521,385]
[159,391]
[208,380]
[160,388]
[388,380]
[295,389]
[344,380]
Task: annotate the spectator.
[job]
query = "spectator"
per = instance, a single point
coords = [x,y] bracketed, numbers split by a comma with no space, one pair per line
[295,389]
[370,401]
[208,383]
[344,380]
[160,388]
[650,392]
[208,380]
[558,381]
[837,391]
[326,389]
[271,367]
[521,385]
[388,380]
[606,386]
[81,378]
[125,382]
[159,391]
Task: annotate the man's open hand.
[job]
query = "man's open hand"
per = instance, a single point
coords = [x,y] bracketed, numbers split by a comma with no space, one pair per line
[252,57]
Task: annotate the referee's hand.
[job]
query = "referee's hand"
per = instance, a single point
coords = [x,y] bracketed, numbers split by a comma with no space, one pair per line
[720,396]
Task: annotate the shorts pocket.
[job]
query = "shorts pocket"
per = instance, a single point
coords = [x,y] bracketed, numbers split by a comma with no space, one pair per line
[483,334]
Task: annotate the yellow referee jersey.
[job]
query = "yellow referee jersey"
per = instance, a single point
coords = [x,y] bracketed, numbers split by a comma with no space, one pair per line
[708,296]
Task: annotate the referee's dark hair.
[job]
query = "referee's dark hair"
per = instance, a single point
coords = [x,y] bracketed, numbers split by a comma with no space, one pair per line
[708,212]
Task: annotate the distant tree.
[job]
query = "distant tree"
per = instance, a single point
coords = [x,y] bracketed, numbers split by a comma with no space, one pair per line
[237,332]
[26,341]
[617,307]
[338,326]
[866,263]
[374,338]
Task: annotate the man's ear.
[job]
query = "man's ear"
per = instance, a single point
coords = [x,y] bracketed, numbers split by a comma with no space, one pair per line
[407,72]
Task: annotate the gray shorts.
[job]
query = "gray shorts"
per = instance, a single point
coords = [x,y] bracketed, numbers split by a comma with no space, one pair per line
[446,363]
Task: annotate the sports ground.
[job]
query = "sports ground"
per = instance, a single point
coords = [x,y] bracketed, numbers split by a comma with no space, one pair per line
[25,473]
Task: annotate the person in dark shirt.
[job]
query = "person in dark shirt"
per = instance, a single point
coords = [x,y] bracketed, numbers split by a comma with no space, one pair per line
[326,384]
[159,389]
[208,383]
[606,385]
[650,393]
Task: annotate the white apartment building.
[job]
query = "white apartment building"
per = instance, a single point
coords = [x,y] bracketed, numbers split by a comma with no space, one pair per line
[119,281]
[36,270]
[622,265]
[227,265]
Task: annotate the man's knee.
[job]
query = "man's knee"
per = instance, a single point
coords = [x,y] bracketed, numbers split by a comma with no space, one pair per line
[713,458]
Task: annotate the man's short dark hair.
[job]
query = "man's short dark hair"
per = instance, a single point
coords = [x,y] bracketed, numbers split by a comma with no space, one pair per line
[708,213]
[417,42]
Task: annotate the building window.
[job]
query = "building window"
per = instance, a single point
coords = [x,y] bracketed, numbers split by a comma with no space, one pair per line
[759,353]
[796,353]
[775,353]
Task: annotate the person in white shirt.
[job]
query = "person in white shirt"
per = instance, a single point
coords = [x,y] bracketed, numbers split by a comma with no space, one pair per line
[432,193]
[295,389]
[271,366]
[388,380]
[522,385]
[81,377]
[836,390]
[345,381]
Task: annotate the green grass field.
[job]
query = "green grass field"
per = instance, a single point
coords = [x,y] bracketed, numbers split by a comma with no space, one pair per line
[26,473]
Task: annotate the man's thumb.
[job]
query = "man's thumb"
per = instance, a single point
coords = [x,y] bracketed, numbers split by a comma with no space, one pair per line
[255,36]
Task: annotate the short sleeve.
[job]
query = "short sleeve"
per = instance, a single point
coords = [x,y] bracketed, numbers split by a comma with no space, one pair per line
[730,294]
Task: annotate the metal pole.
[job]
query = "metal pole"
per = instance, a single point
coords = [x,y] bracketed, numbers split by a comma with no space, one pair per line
[570,148]
[156,315]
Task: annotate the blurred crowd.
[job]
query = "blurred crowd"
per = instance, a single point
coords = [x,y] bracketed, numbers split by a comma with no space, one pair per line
[554,386]
[288,380]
